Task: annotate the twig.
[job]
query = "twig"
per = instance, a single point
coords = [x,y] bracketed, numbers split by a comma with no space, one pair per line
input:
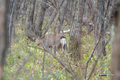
[91,57]
[97,60]
[52,19]
[53,74]
[36,58]
[63,64]
[68,69]
[53,7]
[96,10]
[63,15]
[20,67]
[43,65]
[55,34]
[47,27]
[22,6]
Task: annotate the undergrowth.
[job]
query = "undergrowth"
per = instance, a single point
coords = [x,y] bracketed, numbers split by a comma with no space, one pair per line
[25,62]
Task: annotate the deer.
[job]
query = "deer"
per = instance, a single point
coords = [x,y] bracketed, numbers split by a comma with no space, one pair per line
[52,41]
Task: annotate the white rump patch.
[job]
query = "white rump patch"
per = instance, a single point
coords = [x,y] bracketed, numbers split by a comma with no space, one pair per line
[63,41]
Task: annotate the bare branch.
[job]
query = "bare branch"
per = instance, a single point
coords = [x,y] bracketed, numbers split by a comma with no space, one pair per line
[68,69]
[43,65]
[52,19]
[90,57]
[97,59]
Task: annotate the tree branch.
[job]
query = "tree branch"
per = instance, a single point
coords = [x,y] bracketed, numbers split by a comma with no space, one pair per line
[97,60]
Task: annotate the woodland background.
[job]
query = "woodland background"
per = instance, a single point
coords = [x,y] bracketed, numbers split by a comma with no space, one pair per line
[91,28]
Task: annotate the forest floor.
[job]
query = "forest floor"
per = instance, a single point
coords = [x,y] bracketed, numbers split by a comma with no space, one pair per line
[25,62]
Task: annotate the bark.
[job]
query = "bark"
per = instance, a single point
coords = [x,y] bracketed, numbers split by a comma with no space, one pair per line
[17,9]
[3,33]
[10,23]
[40,17]
[99,28]
[75,29]
[29,28]
[9,5]
[116,46]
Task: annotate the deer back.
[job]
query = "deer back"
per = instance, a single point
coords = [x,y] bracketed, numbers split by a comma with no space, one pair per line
[48,41]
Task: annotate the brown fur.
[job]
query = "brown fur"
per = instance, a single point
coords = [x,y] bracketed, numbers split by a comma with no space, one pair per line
[48,42]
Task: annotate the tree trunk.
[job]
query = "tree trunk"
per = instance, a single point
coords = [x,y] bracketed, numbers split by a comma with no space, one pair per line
[75,29]
[116,46]
[29,28]
[40,18]
[3,33]
[99,28]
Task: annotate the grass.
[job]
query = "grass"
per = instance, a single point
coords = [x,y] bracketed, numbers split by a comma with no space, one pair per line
[25,62]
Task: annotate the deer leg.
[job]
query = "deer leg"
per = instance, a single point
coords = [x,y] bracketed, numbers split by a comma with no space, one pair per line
[65,47]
